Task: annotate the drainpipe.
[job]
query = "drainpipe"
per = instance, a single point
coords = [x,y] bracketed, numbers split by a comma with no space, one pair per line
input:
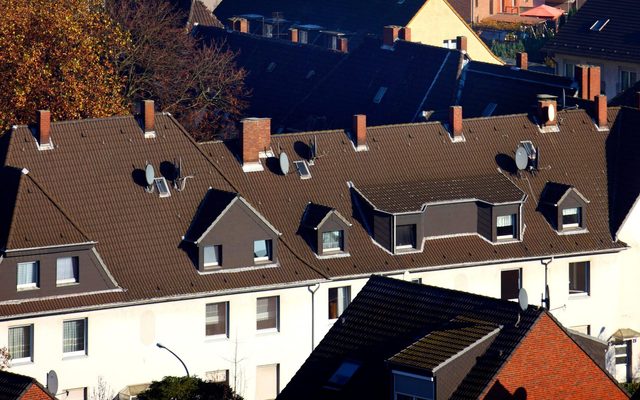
[313,289]
[546,301]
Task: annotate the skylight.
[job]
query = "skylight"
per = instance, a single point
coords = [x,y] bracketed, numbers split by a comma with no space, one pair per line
[344,373]
[271,66]
[303,169]
[163,188]
[599,25]
[378,97]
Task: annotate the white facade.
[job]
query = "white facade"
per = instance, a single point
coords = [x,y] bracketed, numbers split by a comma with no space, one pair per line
[122,341]
[615,76]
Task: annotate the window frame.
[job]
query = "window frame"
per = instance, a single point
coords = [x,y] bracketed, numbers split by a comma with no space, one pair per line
[85,343]
[414,244]
[275,328]
[21,360]
[340,242]
[277,376]
[217,249]
[32,285]
[587,279]
[513,234]
[269,248]
[578,216]
[225,334]
[519,284]
[346,300]
[75,269]
[628,82]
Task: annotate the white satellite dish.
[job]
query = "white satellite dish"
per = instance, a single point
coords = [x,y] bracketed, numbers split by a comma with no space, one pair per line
[52,382]
[284,163]
[522,158]
[551,112]
[149,174]
[523,299]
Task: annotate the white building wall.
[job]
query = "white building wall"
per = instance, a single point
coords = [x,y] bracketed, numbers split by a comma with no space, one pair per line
[609,71]
[121,341]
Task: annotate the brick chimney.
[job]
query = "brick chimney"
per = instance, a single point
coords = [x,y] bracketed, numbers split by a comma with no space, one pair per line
[149,118]
[44,128]
[255,137]
[360,131]
[239,24]
[455,123]
[342,44]
[547,110]
[522,60]
[588,77]
[405,33]
[601,110]
[461,43]
[390,35]
[293,35]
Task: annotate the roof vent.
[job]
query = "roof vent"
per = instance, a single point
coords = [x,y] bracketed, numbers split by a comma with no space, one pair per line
[526,156]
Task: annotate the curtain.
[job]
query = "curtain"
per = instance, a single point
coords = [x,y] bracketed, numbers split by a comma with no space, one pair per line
[216,319]
[212,255]
[73,336]
[267,312]
[332,240]
[20,342]
[28,273]
[67,269]
[504,220]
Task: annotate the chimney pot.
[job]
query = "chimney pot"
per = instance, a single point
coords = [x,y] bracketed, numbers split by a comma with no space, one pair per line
[522,60]
[547,110]
[405,33]
[461,43]
[390,35]
[293,35]
[601,110]
[455,122]
[44,127]
[254,137]
[149,118]
[360,131]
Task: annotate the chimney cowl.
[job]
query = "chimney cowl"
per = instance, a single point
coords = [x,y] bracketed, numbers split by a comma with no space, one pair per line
[149,119]
[360,132]
[547,111]
[44,130]
[455,123]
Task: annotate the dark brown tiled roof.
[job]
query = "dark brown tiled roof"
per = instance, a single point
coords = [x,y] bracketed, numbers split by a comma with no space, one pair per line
[195,13]
[401,197]
[14,386]
[618,40]
[95,174]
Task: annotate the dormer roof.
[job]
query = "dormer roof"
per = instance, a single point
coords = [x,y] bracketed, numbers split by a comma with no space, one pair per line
[555,193]
[315,216]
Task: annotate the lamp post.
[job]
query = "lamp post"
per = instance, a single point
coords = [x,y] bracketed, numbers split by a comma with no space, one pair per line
[175,355]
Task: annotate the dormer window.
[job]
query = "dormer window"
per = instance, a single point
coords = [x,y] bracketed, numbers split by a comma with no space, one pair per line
[571,217]
[332,241]
[28,273]
[212,256]
[261,251]
[506,226]
[406,236]
[66,271]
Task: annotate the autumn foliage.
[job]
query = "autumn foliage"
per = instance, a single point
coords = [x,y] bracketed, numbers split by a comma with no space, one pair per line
[58,55]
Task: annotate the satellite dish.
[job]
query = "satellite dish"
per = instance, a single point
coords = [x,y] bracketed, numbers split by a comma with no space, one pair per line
[284,163]
[523,299]
[52,382]
[522,158]
[149,174]
[551,112]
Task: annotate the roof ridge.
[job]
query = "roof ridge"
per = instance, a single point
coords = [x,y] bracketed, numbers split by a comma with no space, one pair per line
[85,120]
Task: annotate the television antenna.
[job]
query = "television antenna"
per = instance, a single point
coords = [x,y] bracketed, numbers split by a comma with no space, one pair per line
[149,175]
[313,150]
[180,181]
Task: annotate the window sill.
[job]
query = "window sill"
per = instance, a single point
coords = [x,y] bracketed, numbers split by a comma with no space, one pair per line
[63,284]
[258,262]
[216,338]
[74,356]
[581,295]
[267,331]
[332,254]
[21,361]
[27,288]
[572,231]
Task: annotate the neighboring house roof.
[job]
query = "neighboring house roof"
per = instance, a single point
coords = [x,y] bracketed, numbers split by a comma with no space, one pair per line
[195,13]
[138,234]
[543,11]
[629,97]
[601,29]
[596,348]
[14,387]
[304,87]
[393,325]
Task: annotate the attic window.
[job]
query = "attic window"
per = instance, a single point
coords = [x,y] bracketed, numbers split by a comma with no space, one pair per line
[303,169]
[271,67]
[378,97]
[163,187]
[571,217]
[599,25]
[344,373]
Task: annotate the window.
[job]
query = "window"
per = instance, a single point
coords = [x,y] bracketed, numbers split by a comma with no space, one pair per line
[571,217]
[221,375]
[579,277]
[75,394]
[510,284]
[584,329]
[28,273]
[569,70]
[622,351]
[627,79]
[406,236]
[66,270]
[344,373]
[267,381]
[332,241]
[74,337]
[506,226]
[412,387]
[212,255]
[449,43]
[339,299]
[303,36]
[217,319]
[417,280]
[267,313]
[262,250]
[163,187]
[599,25]
[21,343]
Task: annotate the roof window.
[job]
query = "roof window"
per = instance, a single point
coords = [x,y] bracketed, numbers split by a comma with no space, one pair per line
[163,187]
[303,169]
[599,25]
[271,66]
[378,97]
[344,373]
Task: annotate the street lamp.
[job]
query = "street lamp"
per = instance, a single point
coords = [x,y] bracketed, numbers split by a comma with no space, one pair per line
[175,355]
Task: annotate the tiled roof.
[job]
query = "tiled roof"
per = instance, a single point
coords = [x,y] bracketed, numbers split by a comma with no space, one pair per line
[195,12]
[213,204]
[382,323]
[336,15]
[15,386]
[96,175]
[314,214]
[618,39]
[306,87]
[401,197]
[628,98]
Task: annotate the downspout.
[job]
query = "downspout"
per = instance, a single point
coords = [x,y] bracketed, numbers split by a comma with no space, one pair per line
[313,289]
[546,301]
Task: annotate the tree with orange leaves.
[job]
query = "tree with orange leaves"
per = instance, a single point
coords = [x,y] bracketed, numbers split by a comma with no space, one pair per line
[58,55]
